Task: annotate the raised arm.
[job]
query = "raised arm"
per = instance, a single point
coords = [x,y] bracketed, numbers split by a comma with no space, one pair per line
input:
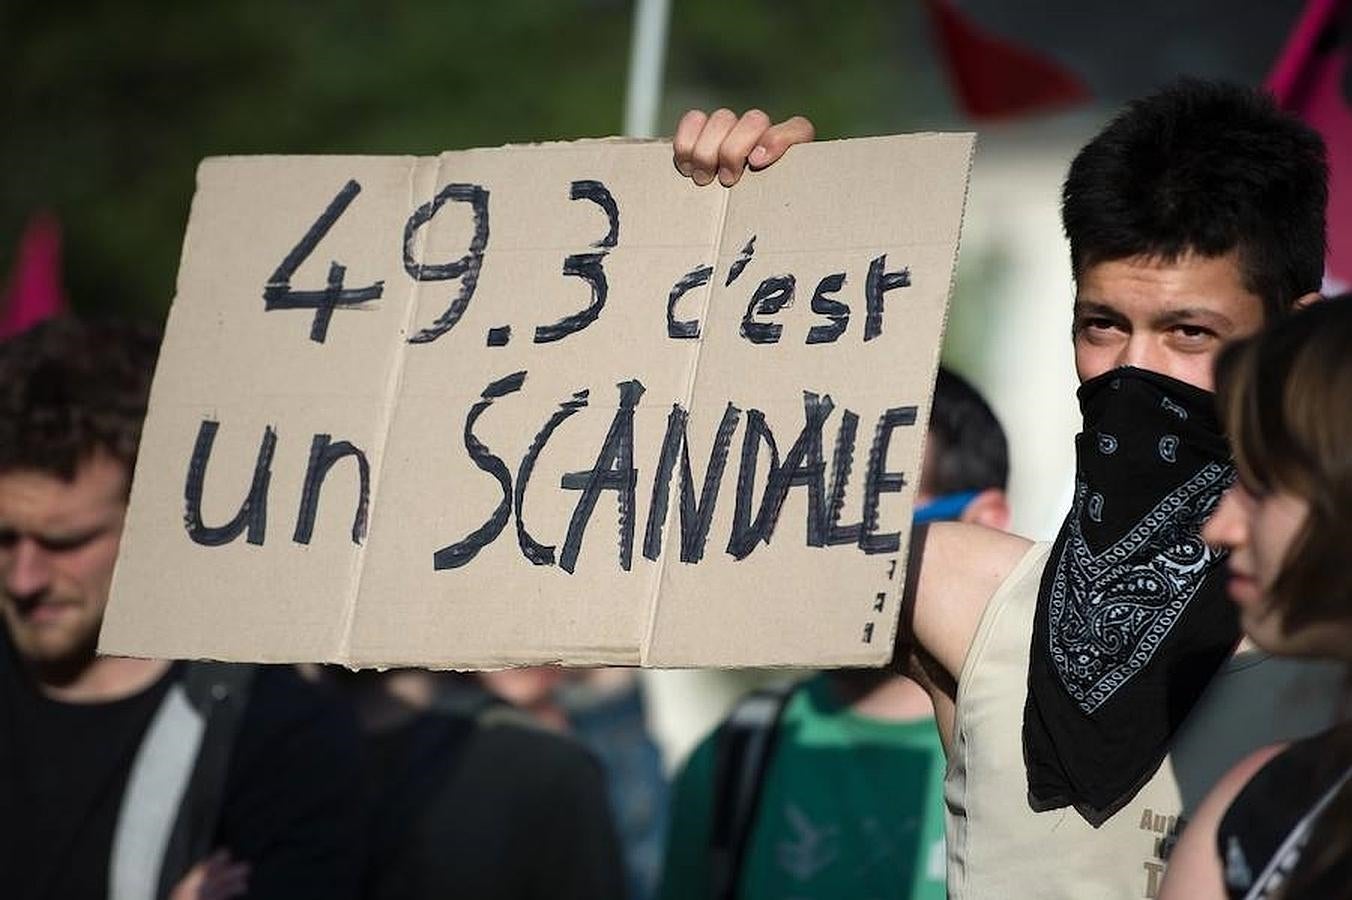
[723,144]
[954,570]
[955,567]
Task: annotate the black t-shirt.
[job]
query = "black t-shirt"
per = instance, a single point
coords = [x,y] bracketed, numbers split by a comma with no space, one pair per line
[58,758]
[1272,819]
[506,811]
[293,799]
[291,803]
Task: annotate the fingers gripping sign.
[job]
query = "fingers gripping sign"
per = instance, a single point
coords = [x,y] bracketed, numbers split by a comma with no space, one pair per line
[722,144]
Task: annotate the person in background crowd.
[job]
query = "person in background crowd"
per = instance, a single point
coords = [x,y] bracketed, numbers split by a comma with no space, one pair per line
[533,690]
[473,798]
[1279,824]
[1086,690]
[607,712]
[133,779]
[848,790]
[603,709]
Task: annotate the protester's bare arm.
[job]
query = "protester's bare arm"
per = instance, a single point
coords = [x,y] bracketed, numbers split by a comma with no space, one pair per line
[954,570]
[723,144]
[1194,871]
[942,689]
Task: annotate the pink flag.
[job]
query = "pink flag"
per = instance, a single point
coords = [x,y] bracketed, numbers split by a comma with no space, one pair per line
[1311,78]
[34,292]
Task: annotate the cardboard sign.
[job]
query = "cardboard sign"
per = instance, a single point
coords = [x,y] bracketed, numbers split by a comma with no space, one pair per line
[542,404]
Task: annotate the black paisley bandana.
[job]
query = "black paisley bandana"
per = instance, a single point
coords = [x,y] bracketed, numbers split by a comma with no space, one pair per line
[1132,621]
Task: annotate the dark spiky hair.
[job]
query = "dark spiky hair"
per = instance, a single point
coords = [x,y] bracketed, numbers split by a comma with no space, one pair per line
[1207,168]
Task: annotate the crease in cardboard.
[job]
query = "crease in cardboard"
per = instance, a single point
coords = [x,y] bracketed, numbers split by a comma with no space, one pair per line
[393,385]
[905,573]
[639,641]
[660,572]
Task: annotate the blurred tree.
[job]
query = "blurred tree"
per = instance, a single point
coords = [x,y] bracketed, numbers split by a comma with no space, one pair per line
[865,67]
[112,104]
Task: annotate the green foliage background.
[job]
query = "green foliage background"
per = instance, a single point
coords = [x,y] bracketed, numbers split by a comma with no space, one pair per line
[112,104]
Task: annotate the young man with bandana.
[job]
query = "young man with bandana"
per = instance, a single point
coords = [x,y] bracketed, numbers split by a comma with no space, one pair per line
[1086,689]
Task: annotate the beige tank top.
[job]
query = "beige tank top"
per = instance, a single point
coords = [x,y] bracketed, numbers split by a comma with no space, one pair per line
[998,848]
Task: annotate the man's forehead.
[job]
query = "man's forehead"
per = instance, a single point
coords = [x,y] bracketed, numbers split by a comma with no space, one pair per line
[1190,284]
[39,499]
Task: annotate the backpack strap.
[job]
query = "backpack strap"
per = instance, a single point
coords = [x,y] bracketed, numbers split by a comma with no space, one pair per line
[158,780]
[743,745]
[220,691]
[168,811]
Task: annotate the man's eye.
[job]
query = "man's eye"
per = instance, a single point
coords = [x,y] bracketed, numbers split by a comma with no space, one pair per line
[1095,325]
[1193,332]
[65,544]
[8,539]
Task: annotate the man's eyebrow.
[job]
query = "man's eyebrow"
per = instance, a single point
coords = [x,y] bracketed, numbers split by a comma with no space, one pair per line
[1192,314]
[1094,308]
[61,535]
[74,535]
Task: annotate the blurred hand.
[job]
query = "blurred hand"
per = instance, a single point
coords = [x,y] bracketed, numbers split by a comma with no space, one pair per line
[723,144]
[218,877]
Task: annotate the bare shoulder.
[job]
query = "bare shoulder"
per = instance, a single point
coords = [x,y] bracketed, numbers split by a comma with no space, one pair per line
[956,568]
[1194,866]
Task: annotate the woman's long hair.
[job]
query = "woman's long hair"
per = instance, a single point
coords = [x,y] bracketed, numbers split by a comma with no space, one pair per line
[1286,398]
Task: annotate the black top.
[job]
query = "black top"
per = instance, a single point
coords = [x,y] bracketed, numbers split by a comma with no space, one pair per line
[292,804]
[1262,835]
[488,810]
[65,767]
[289,805]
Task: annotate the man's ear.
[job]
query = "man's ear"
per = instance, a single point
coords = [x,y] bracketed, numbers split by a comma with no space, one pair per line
[989,508]
[1305,300]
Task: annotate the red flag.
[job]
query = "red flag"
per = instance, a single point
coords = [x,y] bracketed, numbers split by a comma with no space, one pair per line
[1311,78]
[34,291]
[1007,58]
[996,77]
